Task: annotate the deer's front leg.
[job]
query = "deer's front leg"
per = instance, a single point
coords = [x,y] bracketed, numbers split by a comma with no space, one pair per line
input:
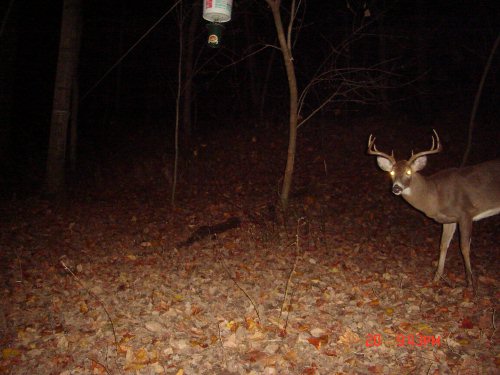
[446,236]
[465,238]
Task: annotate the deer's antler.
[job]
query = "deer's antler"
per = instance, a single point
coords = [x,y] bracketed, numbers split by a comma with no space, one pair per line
[372,150]
[436,147]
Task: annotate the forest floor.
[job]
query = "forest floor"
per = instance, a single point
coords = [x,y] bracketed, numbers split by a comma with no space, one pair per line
[99,283]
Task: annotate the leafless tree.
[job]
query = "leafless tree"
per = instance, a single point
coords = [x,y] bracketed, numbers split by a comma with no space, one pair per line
[61,107]
[335,79]
[189,71]
[285,42]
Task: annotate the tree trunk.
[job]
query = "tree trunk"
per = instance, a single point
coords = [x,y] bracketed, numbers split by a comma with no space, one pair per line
[292,86]
[66,72]
[187,107]
[8,50]
[73,136]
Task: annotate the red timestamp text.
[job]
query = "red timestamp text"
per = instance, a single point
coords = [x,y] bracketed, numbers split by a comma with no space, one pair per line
[418,340]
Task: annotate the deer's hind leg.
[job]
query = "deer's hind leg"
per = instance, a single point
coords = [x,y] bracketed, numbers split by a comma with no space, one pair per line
[465,239]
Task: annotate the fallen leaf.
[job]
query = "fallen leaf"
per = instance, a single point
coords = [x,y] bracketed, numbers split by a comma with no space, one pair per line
[155,327]
[318,342]
[230,341]
[423,328]
[251,325]
[9,353]
[485,321]
[141,356]
[83,307]
[349,338]
[291,356]
[255,356]
[467,323]
[232,325]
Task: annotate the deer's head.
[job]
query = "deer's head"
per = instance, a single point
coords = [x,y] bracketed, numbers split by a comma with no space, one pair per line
[402,171]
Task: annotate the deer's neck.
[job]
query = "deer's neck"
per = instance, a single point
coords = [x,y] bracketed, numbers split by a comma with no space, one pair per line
[422,195]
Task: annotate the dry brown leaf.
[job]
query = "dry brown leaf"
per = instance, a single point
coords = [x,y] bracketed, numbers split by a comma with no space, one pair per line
[255,356]
[349,338]
[291,356]
[83,307]
[485,321]
[156,327]
[467,323]
[270,360]
[250,323]
[318,342]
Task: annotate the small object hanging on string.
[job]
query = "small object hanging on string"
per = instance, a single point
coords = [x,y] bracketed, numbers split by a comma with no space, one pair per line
[217,12]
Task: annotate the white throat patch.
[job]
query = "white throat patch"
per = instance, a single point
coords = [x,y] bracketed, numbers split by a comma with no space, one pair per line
[406,191]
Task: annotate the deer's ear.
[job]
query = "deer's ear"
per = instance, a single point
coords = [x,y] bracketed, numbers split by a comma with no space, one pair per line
[419,163]
[384,164]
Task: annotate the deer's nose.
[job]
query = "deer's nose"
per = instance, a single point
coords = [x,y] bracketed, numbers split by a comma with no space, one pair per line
[396,189]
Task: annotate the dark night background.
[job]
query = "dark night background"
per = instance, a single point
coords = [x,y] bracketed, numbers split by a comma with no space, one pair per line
[115,266]
[437,51]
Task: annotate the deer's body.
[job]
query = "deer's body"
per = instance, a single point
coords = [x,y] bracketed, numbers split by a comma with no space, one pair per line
[450,197]
[471,191]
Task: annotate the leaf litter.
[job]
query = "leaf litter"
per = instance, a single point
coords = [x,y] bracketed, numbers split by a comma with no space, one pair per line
[340,285]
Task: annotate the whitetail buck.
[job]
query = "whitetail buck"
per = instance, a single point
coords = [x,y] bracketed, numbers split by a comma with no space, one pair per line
[455,195]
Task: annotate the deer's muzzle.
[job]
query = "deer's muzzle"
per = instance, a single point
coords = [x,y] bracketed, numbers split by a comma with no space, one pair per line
[397,189]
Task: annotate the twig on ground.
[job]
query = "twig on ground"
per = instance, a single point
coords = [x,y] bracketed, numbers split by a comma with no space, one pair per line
[493,321]
[99,300]
[20,265]
[221,343]
[239,287]
[100,364]
[300,222]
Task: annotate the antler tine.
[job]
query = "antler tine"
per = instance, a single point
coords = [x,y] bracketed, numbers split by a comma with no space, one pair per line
[372,150]
[435,148]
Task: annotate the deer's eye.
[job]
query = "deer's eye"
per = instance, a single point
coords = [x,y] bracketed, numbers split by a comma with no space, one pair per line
[392,173]
[408,172]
